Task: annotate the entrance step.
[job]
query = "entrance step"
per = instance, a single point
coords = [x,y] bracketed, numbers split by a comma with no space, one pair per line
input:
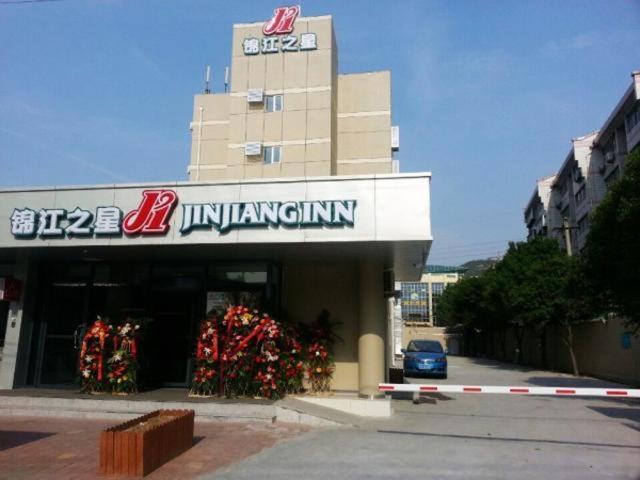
[121,409]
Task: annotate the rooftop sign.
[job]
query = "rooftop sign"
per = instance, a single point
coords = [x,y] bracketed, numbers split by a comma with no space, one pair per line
[282,21]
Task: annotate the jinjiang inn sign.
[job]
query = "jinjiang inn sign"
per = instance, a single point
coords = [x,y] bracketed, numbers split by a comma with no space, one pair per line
[278,35]
[154,212]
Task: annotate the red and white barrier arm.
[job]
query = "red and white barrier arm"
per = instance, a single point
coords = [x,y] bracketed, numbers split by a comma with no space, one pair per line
[513,390]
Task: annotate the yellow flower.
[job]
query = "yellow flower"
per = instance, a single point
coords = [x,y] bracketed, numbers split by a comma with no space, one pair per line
[124,378]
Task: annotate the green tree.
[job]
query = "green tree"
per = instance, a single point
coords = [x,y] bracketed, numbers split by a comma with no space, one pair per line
[535,285]
[532,278]
[462,305]
[612,254]
[496,310]
[475,304]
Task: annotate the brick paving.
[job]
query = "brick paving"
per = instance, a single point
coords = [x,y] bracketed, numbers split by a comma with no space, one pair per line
[52,448]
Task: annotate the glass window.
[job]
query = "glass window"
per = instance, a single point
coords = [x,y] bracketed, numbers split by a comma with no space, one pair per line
[273,103]
[633,117]
[271,155]
[612,177]
[436,291]
[248,273]
[69,274]
[414,302]
[428,346]
[583,224]
[610,145]
[581,195]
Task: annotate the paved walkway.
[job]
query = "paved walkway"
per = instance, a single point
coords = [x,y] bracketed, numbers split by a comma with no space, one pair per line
[472,436]
[444,436]
[44,448]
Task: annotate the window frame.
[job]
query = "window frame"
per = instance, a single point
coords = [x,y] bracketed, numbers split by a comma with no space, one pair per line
[271,103]
[268,155]
[581,195]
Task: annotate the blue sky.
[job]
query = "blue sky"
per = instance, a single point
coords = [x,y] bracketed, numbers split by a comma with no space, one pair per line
[487,94]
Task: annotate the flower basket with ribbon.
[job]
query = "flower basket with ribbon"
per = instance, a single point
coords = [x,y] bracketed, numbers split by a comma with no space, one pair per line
[91,362]
[123,363]
[246,354]
[205,376]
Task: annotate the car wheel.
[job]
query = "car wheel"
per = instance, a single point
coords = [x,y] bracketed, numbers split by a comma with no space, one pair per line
[444,376]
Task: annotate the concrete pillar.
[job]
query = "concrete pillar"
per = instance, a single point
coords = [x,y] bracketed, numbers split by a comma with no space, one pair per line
[372,328]
[14,323]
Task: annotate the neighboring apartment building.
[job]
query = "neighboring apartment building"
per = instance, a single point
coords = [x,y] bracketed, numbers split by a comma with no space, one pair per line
[594,162]
[538,212]
[604,349]
[289,113]
[419,300]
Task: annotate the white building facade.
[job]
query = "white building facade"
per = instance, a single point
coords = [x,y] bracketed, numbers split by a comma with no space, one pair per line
[593,164]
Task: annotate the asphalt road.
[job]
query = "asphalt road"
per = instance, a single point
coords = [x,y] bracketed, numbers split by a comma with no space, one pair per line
[466,436]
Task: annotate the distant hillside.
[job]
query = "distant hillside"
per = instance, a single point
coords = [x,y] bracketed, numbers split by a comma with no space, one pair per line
[477,267]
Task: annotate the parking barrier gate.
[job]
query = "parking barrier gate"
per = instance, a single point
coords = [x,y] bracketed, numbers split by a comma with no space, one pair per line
[513,390]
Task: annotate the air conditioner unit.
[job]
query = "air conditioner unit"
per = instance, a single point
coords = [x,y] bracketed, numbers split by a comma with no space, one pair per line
[252,149]
[610,157]
[395,138]
[254,96]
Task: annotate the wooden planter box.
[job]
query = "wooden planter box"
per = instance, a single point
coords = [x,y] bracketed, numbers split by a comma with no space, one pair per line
[139,446]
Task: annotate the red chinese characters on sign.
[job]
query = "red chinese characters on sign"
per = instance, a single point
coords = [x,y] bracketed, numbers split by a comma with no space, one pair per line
[152,215]
[282,21]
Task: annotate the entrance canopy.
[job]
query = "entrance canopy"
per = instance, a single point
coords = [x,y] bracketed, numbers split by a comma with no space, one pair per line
[350,217]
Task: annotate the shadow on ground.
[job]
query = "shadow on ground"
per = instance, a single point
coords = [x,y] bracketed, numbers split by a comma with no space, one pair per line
[489,437]
[632,414]
[14,438]
[513,367]
[420,397]
[579,382]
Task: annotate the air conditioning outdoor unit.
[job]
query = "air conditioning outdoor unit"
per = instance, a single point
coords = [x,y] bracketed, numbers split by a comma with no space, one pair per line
[254,96]
[610,157]
[252,149]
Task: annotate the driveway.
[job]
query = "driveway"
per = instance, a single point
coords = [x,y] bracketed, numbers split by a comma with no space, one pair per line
[471,436]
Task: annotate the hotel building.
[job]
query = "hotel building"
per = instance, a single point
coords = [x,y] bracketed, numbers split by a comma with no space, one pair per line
[289,113]
[293,204]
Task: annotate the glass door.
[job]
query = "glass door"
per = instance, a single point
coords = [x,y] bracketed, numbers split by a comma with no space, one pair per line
[63,312]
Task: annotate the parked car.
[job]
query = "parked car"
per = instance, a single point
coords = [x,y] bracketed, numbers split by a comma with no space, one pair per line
[425,357]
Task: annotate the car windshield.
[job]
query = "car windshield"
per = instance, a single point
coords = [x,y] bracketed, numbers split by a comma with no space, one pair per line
[425,346]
